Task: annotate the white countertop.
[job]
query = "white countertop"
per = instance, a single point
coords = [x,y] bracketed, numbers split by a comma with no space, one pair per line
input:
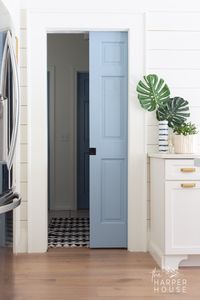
[173,155]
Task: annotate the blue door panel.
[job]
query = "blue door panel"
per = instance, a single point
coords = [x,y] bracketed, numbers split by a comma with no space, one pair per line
[108,134]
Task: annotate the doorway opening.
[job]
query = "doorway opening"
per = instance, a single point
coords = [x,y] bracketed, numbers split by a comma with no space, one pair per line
[68,122]
[87,89]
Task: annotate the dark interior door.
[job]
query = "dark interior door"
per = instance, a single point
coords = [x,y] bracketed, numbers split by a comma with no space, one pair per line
[83,141]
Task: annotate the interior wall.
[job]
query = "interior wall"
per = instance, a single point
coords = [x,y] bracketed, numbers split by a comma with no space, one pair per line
[173,52]
[67,53]
[112,5]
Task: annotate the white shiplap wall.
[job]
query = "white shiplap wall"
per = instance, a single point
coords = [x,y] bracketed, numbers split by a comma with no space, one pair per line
[173,52]
[23,131]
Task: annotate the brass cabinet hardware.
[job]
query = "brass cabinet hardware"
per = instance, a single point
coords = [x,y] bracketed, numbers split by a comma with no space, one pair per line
[188,170]
[188,185]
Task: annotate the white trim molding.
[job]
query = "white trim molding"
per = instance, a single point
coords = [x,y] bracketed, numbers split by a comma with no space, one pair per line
[39,24]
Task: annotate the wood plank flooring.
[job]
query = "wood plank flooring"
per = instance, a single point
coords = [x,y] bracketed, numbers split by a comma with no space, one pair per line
[85,274]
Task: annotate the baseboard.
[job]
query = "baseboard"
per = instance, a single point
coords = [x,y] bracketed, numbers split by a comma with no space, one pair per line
[156,253]
[172,261]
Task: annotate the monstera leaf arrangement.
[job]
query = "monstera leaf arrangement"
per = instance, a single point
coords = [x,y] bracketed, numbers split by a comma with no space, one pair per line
[152,92]
[154,95]
[175,111]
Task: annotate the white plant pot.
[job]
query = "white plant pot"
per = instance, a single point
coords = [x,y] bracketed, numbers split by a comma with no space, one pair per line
[185,144]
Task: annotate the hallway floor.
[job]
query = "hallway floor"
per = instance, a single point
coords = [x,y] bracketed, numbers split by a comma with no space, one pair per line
[69,232]
[84,274]
[68,229]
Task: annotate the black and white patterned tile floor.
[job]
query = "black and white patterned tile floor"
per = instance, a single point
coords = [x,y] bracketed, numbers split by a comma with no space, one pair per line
[68,232]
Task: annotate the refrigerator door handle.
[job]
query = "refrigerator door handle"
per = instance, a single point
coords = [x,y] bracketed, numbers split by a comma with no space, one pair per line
[4,106]
[16,99]
[9,51]
[4,129]
[4,68]
[5,197]
[15,201]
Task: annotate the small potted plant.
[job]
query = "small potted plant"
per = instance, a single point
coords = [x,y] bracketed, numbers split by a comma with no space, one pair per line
[185,138]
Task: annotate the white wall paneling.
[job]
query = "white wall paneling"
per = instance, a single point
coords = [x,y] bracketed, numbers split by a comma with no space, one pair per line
[173,40]
[22,246]
[173,52]
[23,190]
[23,172]
[110,7]
[23,134]
[173,21]
[177,78]
[174,59]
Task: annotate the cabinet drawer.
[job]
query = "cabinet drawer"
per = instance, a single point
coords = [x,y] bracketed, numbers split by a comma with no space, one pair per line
[181,169]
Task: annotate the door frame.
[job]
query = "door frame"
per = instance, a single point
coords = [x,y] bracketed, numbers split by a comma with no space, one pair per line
[41,23]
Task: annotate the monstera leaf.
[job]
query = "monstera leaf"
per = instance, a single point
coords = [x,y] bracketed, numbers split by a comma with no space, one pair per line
[175,111]
[152,92]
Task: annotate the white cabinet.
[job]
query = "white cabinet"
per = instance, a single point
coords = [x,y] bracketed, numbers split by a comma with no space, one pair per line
[182,217]
[175,210]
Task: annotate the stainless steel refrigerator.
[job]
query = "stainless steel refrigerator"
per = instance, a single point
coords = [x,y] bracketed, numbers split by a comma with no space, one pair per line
[9,123]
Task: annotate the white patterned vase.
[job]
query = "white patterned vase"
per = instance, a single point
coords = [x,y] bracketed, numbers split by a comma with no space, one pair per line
[163,136]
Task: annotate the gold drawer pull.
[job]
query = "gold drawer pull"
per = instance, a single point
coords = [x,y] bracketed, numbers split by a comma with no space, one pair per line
[188,185]
[188,170]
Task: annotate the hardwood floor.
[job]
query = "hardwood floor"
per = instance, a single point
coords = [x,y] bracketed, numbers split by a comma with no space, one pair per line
[84,274]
